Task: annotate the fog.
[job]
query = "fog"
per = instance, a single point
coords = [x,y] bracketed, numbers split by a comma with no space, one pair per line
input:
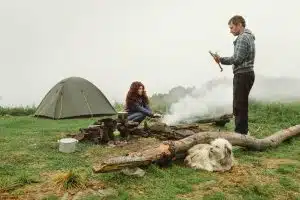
[112,43]
[214,98]
[202,103]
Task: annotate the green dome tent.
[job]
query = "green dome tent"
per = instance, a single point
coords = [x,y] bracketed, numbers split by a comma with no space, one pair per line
[74,97]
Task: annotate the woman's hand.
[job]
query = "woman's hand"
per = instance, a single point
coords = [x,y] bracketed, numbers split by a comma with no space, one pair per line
[156,115]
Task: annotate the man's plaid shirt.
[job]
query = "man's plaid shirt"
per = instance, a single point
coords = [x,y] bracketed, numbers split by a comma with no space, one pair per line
[244,53]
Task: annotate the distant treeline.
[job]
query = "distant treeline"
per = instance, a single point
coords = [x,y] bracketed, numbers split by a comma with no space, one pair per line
[159,103]
[17,111]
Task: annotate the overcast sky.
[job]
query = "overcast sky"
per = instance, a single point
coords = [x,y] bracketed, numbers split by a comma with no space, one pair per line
[114,42]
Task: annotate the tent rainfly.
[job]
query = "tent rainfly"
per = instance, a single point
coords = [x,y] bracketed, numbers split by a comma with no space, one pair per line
[74,97]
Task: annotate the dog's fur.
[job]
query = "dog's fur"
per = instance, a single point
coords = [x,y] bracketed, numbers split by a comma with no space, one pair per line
[216,156]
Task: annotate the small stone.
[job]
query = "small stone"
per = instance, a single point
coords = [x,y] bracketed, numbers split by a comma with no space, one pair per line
[107,192]
[77,196]
[65,197]
[134,172]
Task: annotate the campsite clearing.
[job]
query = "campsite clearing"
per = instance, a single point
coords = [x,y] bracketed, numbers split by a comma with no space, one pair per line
[30,162]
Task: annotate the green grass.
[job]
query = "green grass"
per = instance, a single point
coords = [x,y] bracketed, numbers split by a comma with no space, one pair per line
[29,150]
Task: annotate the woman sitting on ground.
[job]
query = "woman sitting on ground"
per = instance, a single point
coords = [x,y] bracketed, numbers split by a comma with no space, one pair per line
[137,103]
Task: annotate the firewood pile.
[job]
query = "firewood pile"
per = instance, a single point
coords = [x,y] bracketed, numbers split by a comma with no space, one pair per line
[103,131]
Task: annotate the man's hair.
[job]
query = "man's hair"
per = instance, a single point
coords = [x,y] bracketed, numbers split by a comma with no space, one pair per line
[236,20]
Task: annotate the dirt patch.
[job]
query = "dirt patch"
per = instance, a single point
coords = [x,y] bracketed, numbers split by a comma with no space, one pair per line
[287,195]
[239,175]
[96,153]
[274,163]
[99,153]
[138,144]
[49,187]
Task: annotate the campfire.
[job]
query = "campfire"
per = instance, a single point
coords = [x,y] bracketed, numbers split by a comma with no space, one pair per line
[109,130]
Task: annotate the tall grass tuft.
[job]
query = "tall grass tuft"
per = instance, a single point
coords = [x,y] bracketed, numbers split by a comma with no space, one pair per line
[70,180]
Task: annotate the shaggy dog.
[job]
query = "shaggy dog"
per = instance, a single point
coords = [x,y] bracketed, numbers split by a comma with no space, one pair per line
[216,156]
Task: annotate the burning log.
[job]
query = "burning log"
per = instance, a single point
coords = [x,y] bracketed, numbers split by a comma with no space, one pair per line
[219,121]
[164,132]
[168,150]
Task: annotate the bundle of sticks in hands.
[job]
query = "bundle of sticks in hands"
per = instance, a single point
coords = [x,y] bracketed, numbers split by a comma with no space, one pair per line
[216,56]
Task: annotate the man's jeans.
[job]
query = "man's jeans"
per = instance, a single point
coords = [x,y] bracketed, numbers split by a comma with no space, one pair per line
[242,84]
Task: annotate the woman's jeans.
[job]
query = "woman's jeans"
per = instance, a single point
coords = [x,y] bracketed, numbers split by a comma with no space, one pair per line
[137,117]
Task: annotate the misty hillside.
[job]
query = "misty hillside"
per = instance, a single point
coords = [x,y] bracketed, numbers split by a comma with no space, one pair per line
[281,89]
[161,102]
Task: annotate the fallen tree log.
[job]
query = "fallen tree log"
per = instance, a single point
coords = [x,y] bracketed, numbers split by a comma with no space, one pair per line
[168,150]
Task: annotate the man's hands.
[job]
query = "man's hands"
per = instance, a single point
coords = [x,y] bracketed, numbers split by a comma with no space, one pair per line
[217,58]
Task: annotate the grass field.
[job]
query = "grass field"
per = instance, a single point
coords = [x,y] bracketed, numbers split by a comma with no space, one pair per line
[30,162]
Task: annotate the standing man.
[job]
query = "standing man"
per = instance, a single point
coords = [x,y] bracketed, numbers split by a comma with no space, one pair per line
[242,63]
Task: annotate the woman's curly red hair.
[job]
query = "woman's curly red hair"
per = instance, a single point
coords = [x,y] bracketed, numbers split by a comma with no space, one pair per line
[133,95]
